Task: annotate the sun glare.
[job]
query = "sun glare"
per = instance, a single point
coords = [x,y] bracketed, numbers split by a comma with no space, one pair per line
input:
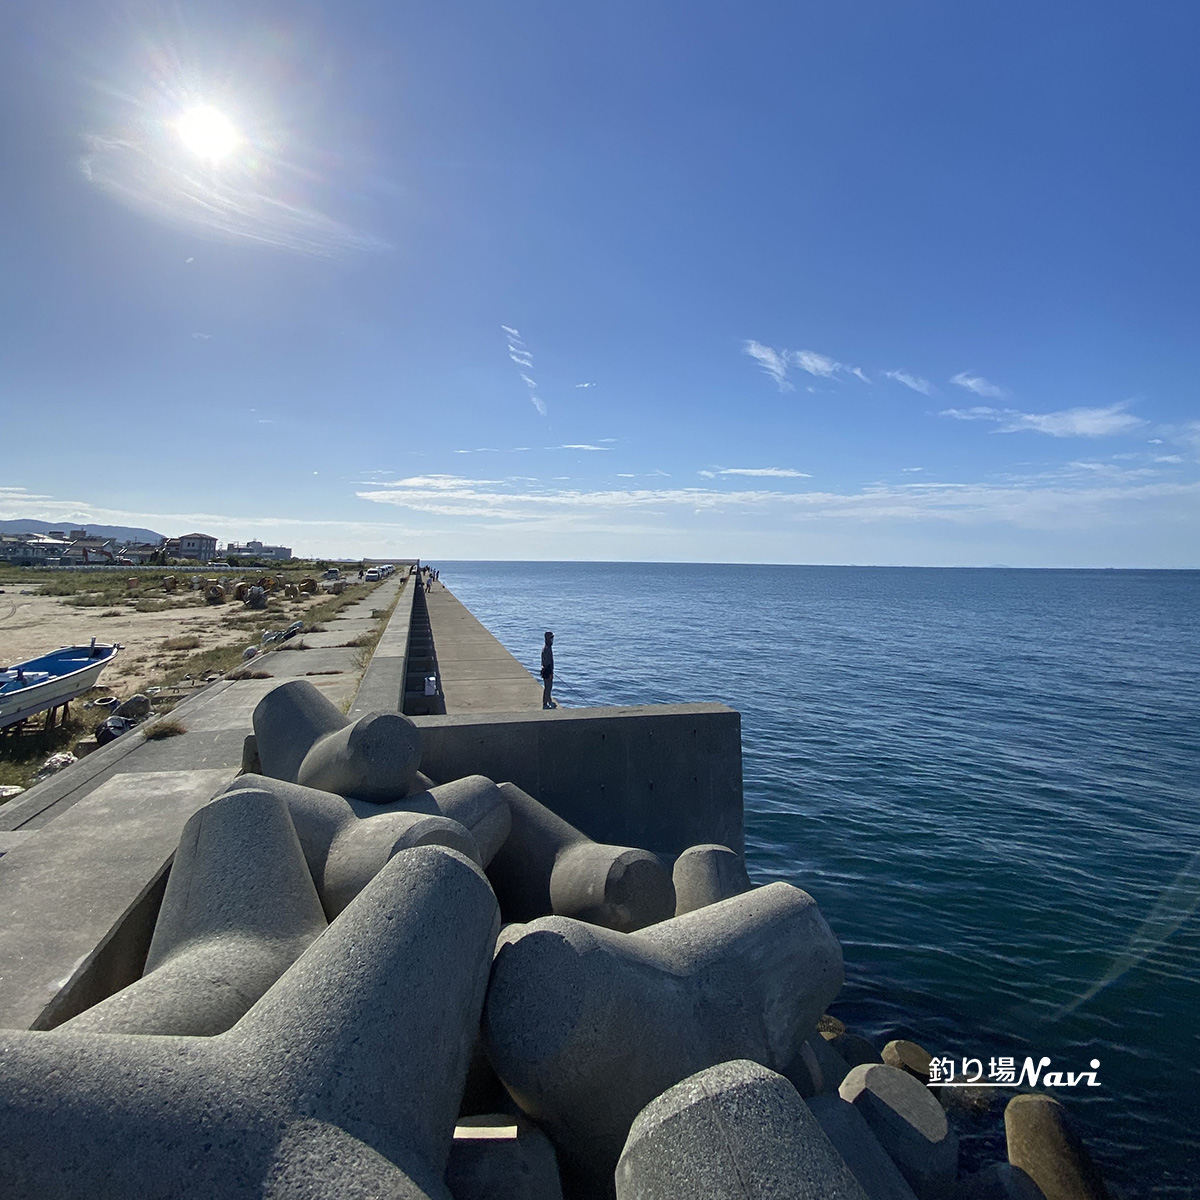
[207,133]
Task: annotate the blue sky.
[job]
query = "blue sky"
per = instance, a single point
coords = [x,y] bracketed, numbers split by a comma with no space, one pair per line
[837,283]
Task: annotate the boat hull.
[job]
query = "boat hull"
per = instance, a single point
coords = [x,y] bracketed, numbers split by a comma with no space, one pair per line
[20,703]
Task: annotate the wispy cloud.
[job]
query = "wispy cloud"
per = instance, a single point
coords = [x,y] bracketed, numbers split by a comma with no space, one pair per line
[256,196]
[585,385]
[777,363]
[978,385]
[1071,422]
[911,381]
[523,357]
[578,446]
[765,472]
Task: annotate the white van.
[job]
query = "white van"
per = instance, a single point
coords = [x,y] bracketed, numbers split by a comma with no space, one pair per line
[372,575]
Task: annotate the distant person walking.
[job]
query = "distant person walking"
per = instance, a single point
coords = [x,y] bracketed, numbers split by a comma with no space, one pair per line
[548,671]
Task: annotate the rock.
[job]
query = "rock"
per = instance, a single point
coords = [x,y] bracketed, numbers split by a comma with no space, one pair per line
[1042,1143]
[855,1050]
[239,909]
[342,1081]
[706,874]
[832,1067]
[85,746]
[1000,1181]
[908,1056]
[9,790]
[736,1131]
[548,866]
[909,1123]
[344,851]
[585,1025]
[249,652]
[501,1157]
[830,1027]
[135,708]
[303,738]
[851,1136]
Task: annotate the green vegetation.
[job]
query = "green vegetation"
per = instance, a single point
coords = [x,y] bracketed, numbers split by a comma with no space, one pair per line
[22,754]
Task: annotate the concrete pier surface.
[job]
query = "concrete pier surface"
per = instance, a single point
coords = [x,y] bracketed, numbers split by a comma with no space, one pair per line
[478,675]
[84,856]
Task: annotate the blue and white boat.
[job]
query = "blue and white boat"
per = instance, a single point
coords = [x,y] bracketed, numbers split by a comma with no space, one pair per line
[41,683]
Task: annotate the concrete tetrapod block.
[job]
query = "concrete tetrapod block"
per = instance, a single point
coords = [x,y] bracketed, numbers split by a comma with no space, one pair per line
[706,874]
[1042,1143]
[496,1156]
[473,801]
[345,851]
[239,909]
[868,1161]
[585,1026]
[909,1123]
[733,1132]
[548,866]
[302,737]
[342,1081]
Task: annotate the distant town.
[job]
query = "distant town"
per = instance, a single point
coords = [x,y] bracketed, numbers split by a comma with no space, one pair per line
[74,548]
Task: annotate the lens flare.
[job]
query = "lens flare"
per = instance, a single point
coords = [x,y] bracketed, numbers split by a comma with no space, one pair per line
[207,133]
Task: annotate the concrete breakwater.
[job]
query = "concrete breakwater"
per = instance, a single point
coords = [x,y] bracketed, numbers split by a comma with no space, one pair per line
[492,950]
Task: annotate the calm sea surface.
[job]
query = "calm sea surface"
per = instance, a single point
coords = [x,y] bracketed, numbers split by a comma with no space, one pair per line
[989,779]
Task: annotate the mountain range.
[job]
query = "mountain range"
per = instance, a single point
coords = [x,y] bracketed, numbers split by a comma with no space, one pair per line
[123,533]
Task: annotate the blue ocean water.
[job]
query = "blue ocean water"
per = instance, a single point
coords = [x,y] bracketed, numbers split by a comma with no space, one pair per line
[989,779]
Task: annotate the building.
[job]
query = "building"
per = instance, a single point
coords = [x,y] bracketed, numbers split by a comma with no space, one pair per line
[199,546]
[254,549]
[90,550]
[32,549]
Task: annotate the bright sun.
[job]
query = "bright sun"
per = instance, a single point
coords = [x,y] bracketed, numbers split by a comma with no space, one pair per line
[207,133]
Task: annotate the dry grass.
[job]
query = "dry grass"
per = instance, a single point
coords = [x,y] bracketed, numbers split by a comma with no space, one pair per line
[164,727]
[189,641]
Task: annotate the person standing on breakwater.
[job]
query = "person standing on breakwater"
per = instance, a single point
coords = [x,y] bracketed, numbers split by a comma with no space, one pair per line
[548,671]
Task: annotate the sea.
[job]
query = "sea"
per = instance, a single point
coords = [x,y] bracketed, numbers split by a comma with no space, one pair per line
[989,779]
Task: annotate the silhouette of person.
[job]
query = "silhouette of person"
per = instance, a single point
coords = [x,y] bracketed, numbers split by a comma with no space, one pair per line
[548,671]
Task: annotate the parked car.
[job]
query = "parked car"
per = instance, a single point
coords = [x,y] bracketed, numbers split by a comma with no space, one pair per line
[372,574]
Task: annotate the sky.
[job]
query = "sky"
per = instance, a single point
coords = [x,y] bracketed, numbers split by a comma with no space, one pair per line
[676,280]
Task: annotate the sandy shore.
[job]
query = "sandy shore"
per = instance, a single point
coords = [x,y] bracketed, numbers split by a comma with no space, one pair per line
[31,625]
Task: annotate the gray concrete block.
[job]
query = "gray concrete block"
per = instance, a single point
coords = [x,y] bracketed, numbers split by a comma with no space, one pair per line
[1043,1144]
[1000,1181]
[497,1156]
[908,1056]
[375,759]
[870,1164]
[663,777]
[818,1069]
[288,721]
[909,1123]
[303,738]
[345,851]
[733,1132]
[343,1080]
[547,866]
[706,874]
[855,1049]
[585,1025]
[475,802]
[240,907]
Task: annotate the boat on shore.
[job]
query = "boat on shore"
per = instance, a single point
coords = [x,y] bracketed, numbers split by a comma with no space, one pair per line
[51,680]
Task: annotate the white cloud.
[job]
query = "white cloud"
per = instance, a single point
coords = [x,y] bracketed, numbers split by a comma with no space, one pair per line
[1071,422]
[578,446]
[774,363]
[524,360]
[257,196]
[911,381]
[912,468]
[815,364]
[978,385]
[585,385]
[777,363]
[539,404]
[766,472]
[512,333]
